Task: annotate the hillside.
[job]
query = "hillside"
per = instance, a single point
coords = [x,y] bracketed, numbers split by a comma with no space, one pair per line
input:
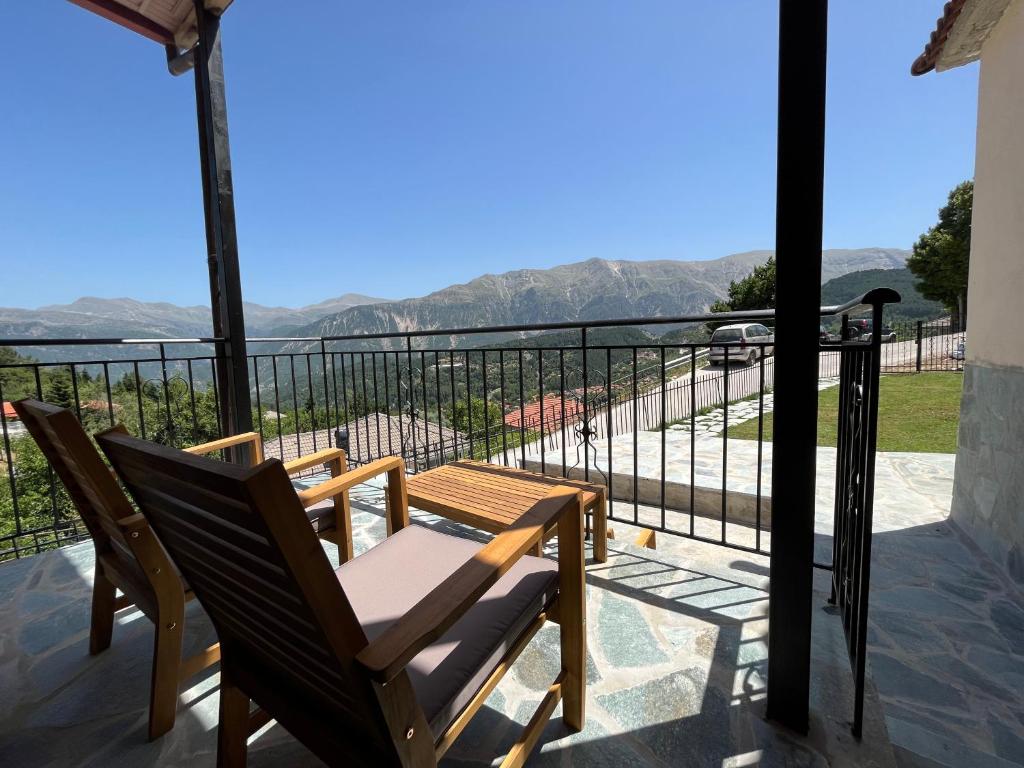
[913,307]
[589,290]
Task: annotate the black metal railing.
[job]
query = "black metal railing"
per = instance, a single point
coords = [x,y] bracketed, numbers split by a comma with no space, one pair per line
[652,419]
[164,390]
[906,346]
[854,492]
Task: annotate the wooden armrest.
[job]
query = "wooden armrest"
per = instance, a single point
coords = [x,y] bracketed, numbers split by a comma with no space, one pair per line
[320,457]
[230,442]
[434,615]
[344,482]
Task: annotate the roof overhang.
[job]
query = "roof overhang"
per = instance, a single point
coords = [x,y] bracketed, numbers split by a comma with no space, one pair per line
[168,22]
[959,34]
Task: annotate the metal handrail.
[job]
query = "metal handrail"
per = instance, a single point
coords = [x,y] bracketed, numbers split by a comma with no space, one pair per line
[79,342]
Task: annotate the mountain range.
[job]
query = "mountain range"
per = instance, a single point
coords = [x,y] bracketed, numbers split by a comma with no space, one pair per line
[91,317]
[591,290]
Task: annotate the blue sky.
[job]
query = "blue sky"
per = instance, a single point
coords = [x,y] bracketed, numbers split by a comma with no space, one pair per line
[395,148]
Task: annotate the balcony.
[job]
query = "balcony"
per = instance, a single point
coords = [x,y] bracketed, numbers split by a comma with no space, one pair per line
[679,624]
[894,641]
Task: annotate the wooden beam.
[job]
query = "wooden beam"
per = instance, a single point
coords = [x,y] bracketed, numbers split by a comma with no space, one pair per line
[221,239]
[128,18]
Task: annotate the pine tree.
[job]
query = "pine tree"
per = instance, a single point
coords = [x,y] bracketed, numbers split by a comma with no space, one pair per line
[58,390]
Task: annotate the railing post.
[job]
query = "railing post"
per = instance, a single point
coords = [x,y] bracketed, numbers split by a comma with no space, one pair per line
[920,329]
[585,432]
[412,400]
[167,395]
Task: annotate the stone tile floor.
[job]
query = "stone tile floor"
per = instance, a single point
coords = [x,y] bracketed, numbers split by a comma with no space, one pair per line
[677,641]
[676,673]
[946,647]
[946,629]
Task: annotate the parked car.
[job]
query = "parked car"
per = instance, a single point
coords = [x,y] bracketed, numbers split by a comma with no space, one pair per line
[825,336]
[862,329]
[960,352]
[741,342]
[888,335]
[858,328]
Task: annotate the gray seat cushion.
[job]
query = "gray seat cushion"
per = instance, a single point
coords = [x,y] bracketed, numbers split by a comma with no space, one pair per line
[321,515]
[385,582]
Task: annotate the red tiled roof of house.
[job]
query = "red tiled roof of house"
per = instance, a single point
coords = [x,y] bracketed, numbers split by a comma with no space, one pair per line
[373,436]
[530,415]
[926,61]
[9,412]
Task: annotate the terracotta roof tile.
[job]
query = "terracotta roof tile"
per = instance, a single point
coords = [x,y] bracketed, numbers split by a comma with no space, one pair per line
[933,50]
[553,404]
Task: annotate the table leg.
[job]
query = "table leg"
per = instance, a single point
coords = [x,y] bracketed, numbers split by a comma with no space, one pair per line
[601,529]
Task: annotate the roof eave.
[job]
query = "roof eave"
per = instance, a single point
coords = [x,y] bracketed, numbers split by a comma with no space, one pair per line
[183,35]
[959,35]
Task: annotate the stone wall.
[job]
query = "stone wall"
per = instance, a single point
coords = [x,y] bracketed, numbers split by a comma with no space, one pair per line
[988,492]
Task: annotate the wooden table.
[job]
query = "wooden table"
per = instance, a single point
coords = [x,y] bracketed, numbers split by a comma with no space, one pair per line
[492,497]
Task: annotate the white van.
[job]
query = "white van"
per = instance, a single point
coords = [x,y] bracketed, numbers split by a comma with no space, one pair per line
[740,338]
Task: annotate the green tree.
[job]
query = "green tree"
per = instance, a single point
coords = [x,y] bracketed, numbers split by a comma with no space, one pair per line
[459,415]
[16,382]
[941,255]
[58,390]
[755,291]
[36,505]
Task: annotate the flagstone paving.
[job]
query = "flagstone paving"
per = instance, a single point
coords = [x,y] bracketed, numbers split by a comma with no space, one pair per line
[676,667]
[946,624]
[713,422]
[676,671]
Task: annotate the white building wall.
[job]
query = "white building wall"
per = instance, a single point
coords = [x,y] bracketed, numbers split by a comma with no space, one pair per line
[988,496]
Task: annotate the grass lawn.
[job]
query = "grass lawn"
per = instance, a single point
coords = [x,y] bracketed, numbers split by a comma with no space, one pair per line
[916,412]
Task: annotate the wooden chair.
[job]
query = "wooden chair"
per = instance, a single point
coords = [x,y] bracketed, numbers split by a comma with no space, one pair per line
[331,516]
[385,660]
[133,561]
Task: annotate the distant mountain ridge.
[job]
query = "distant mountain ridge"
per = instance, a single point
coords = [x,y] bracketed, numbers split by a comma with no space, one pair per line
[92,317]
[591,290]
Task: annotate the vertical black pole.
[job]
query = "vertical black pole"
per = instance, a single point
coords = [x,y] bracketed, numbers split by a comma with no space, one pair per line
[221,241]
[920,335]
[803,27]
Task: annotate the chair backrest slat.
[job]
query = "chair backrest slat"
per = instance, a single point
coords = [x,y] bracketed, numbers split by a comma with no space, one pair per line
[93,490]
[242,540]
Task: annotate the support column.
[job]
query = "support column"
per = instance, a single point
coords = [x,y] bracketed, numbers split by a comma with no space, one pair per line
[221,240]
[803,28]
